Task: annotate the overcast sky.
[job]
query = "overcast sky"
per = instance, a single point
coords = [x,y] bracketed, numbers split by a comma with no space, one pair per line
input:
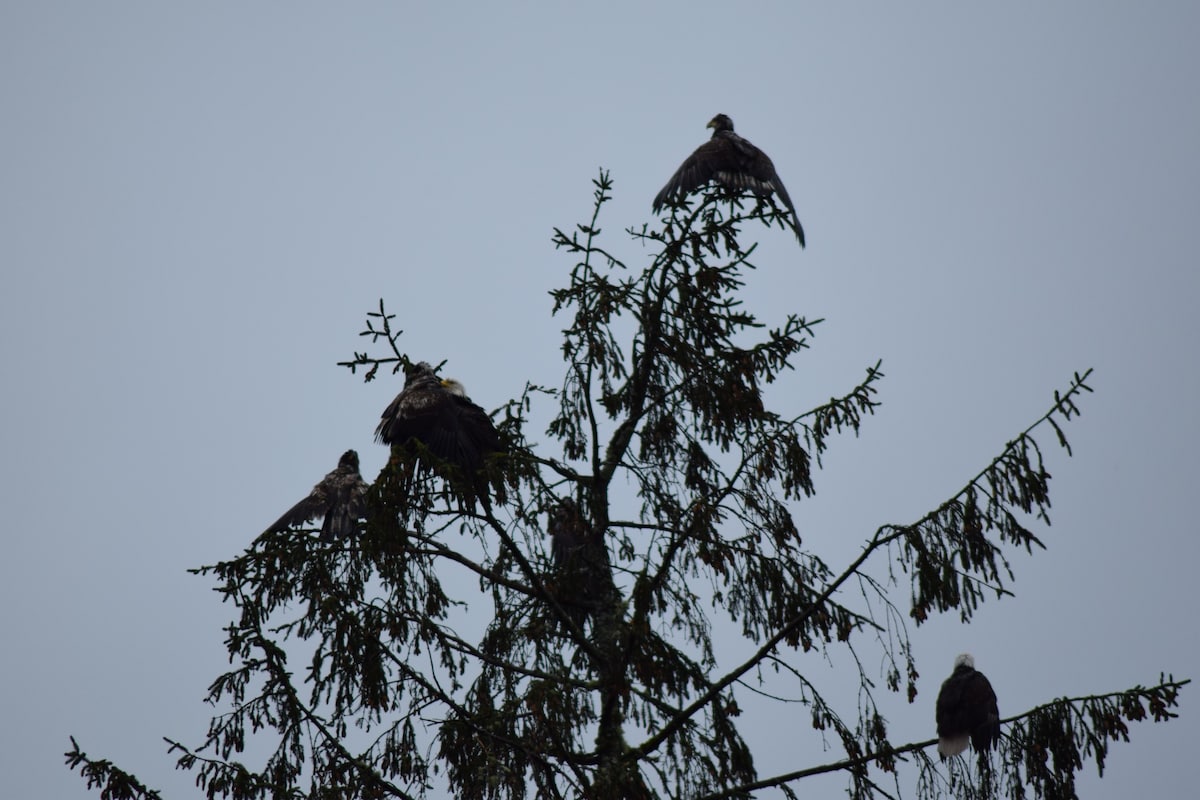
[199,203]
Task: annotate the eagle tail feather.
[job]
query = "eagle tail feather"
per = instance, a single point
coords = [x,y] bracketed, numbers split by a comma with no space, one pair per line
[952,745]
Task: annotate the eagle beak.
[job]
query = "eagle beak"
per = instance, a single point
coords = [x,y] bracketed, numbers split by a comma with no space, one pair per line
[712,123]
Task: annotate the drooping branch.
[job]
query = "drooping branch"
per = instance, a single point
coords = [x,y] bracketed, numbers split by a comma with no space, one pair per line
[954,534]
[113,782]
[1064,405]
[1091,721]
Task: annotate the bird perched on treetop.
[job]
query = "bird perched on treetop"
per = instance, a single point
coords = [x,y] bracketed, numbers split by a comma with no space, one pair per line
[340,498]
[967,711]
[438,414]
[734,163]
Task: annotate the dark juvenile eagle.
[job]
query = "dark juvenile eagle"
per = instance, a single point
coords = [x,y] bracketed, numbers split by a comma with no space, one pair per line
[581,567]
[568,533]
[340,498]
[438,414]
[734,163]
[966,711]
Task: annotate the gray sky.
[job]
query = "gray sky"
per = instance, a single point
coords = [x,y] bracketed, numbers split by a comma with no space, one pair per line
[200,203]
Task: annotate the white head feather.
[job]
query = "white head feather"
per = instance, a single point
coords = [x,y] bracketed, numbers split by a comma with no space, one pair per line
[964,660]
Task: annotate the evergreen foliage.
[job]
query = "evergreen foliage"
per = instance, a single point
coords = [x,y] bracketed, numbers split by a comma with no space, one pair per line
[585,664]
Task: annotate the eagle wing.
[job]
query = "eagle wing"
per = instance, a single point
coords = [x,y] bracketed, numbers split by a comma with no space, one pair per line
[697,169]
[411,414]
[340,498]
[755,172]
[979,695]
[736,164]
[463,433]
[306,510]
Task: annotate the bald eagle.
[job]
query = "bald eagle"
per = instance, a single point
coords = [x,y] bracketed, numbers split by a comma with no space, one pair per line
[966,711]
[584,577]
[340,498]
[438,414]
[733,162]
[568,532]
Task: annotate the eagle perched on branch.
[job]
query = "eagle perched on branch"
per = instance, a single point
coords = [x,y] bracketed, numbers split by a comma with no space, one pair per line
[583,575]
[437,414]
[732,162]
[967,711]
[340,498]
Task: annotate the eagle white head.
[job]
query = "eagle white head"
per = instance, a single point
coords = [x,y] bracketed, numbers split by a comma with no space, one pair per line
[454,387]
[964,660]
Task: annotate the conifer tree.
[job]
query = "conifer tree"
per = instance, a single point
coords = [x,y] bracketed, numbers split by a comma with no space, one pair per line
[557,639]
